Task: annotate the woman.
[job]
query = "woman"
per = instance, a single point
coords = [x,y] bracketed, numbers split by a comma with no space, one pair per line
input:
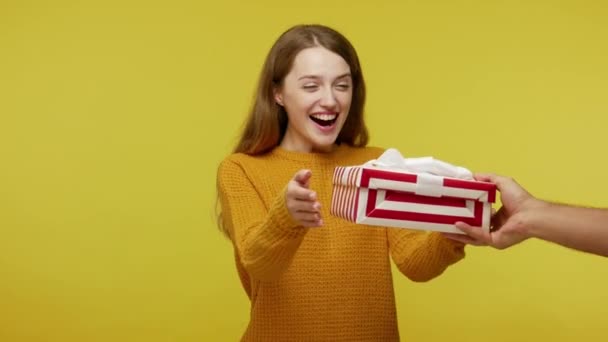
[309,275]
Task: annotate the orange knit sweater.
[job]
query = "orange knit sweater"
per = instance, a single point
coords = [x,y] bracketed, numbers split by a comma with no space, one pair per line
[329,283]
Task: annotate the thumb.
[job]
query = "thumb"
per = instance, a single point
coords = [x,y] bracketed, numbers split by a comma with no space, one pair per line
[504,236]
[303,177]
[485,177]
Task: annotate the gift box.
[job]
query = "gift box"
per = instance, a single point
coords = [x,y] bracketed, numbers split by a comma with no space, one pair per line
[391,197]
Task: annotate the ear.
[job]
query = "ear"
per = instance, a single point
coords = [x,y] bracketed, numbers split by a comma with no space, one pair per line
[278,97]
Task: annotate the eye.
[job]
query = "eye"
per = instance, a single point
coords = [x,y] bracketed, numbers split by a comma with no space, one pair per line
[310,87]
[343,86]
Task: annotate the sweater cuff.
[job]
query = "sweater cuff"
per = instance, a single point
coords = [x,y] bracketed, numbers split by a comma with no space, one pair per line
[454,250]
[281,224]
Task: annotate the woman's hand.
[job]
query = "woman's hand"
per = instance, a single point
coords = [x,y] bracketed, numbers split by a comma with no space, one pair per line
[302,202]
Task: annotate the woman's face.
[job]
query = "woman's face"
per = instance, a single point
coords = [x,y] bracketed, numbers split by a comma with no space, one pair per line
[316,94]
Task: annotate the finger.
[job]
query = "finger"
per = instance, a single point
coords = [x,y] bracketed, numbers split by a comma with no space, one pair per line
[490,177]
[499,219]
[311,223]
[303,207]
[307,207]
[461,238]
[476,233]
[302,177]
[484,177]
[298,208]
[300,193]
[500,181]
[301,216]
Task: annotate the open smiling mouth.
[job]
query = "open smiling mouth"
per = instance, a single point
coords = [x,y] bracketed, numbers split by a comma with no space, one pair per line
[324,119]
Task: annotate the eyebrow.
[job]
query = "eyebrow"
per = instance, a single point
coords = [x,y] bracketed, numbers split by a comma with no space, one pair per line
[318,77]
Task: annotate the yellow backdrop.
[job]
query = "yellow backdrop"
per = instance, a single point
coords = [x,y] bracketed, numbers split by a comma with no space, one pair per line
[115,114]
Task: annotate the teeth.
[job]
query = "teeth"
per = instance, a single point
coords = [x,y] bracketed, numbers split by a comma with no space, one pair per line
[324,117]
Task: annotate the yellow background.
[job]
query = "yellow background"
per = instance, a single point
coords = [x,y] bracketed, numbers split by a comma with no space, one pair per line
[115,114]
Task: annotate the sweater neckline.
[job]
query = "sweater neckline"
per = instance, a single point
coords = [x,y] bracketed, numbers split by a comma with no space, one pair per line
[309,156]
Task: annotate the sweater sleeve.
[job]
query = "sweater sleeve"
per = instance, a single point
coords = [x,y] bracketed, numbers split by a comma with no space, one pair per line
[420,255]
[265,239]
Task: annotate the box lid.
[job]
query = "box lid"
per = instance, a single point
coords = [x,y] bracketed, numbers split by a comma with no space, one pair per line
[422,184]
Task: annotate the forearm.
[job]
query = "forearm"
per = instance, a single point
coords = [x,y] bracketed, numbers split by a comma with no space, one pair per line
[267,248]
[422,256]
[584,229]
[264,235]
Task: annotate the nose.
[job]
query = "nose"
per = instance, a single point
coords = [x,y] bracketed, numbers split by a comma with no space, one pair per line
[328,98]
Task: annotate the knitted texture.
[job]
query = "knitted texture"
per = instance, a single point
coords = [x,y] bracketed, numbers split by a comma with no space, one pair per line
[329,283]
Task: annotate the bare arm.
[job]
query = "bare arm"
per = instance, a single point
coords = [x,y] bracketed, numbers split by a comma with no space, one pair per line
[584,229]
[523,216]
